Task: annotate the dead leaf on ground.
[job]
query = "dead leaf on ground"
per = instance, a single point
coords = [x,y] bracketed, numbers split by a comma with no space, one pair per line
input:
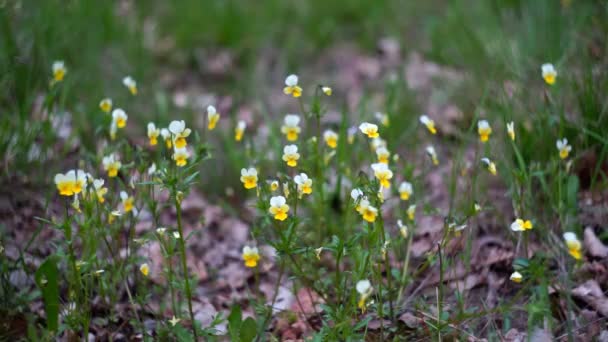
[592,294]
[593,245]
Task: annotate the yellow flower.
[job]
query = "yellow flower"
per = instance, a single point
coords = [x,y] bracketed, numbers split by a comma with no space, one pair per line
[383,174]
[304,183]
[563,147]
[383,155]
[489,165]
[291,155]
[430,151]
[106,105]
[144,269]
[405,190]
[377,143]
[212,117]
[153,133]
[382,118]
[278,208]
[239,130]
[100,190]
[111,164]
[574,245]
[511,130]
[549,73]
[130,83]
[179,133]
[411,212]
[430,124]
[70,183]
[119,118]
[520,225]
[331,138]
[167,137]
[516,277]
[127,202]
[291,86]
[369,129]
[365,289]
[402,229]
[251,256]
[181,155]
[290,127]
[59,71]
[326,90]
[274,185]
[249,177]
[367,211]
[484,130]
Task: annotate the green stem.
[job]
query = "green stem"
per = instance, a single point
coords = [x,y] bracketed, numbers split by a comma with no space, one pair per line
[182,247]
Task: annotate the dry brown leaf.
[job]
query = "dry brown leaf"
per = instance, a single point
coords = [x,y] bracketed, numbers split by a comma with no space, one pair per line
[593,245]
[592,294]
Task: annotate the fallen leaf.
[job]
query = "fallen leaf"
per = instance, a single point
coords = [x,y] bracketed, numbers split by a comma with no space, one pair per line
[593,245]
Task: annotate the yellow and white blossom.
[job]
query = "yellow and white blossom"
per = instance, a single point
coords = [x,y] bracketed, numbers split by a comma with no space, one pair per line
[484,130]
[411,212]
[563,148]
[106,105]
[59,71]
[405,190]
[383,155]
[249,178]
[489,165]
[326,90]
[549,73]
[167,137]
[574,245]
[365,289]
[111,164]
[251,256]
[331,138]
[161,230]
[100,190]
[144,269]
[350,135]
[377,143]
[511,130]
[516,277]
[291,86]
[430,124]
[355,194]
[369,129]
[382,118]
[430,151]
[278,208]
[367,211]
[179,133]
[402,229]
[291,127]
[286,190]
[240,130]
[119,118]
[127,202]
[71,183]
[153,133]
[520,225]
[130,83]
[181,155]
[174,320]
[291,155]
[383,174]
[304,183]
[274,185]
[212,117]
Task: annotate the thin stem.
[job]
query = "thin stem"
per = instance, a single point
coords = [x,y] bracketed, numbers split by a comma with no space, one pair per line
[182,247]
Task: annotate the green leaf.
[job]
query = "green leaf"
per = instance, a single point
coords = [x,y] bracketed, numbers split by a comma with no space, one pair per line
[573,185]
[234,322]
[248,330]
[46,279]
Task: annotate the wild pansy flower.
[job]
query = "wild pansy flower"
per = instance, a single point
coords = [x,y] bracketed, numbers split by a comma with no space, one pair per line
[167,137]
[383,174]
[291,155]
[179,133]
[405,190]
[350,135]
[181,155]
[563,148]
[111,164]
[291,86]
[278,207]
[369,129]
[430,151]
[100,190]
[304,183]
[489,165]
[365,289]
[212,117]
[382,118]
[383,155]
[331,138]
[402,229]
[326,90]
[378,143]
[430,124]
[249,178]
[119,118]
[274,185]
[127,202]
[367,211]
[144,269]
[574,245]
[520,225]
[549,73]
[484,130]
[240,130]
[411,212]
[516,277]
[251,256]
[356,194]
[71,183]
[511,130]
[59,71]
[291,127]
[130,83]
[106,105]
[153,133]
[286,190]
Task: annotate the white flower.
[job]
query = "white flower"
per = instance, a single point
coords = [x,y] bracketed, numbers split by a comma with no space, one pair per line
[369,129]
[364,287]
[563,147]
[152,169]
[430,124]
[355,194]
[511,130]
[119,118]
[212,117]
[549,73]
[405,190]
[291,80]
[304,183]
[130,83]
[290,127]
[291,155]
